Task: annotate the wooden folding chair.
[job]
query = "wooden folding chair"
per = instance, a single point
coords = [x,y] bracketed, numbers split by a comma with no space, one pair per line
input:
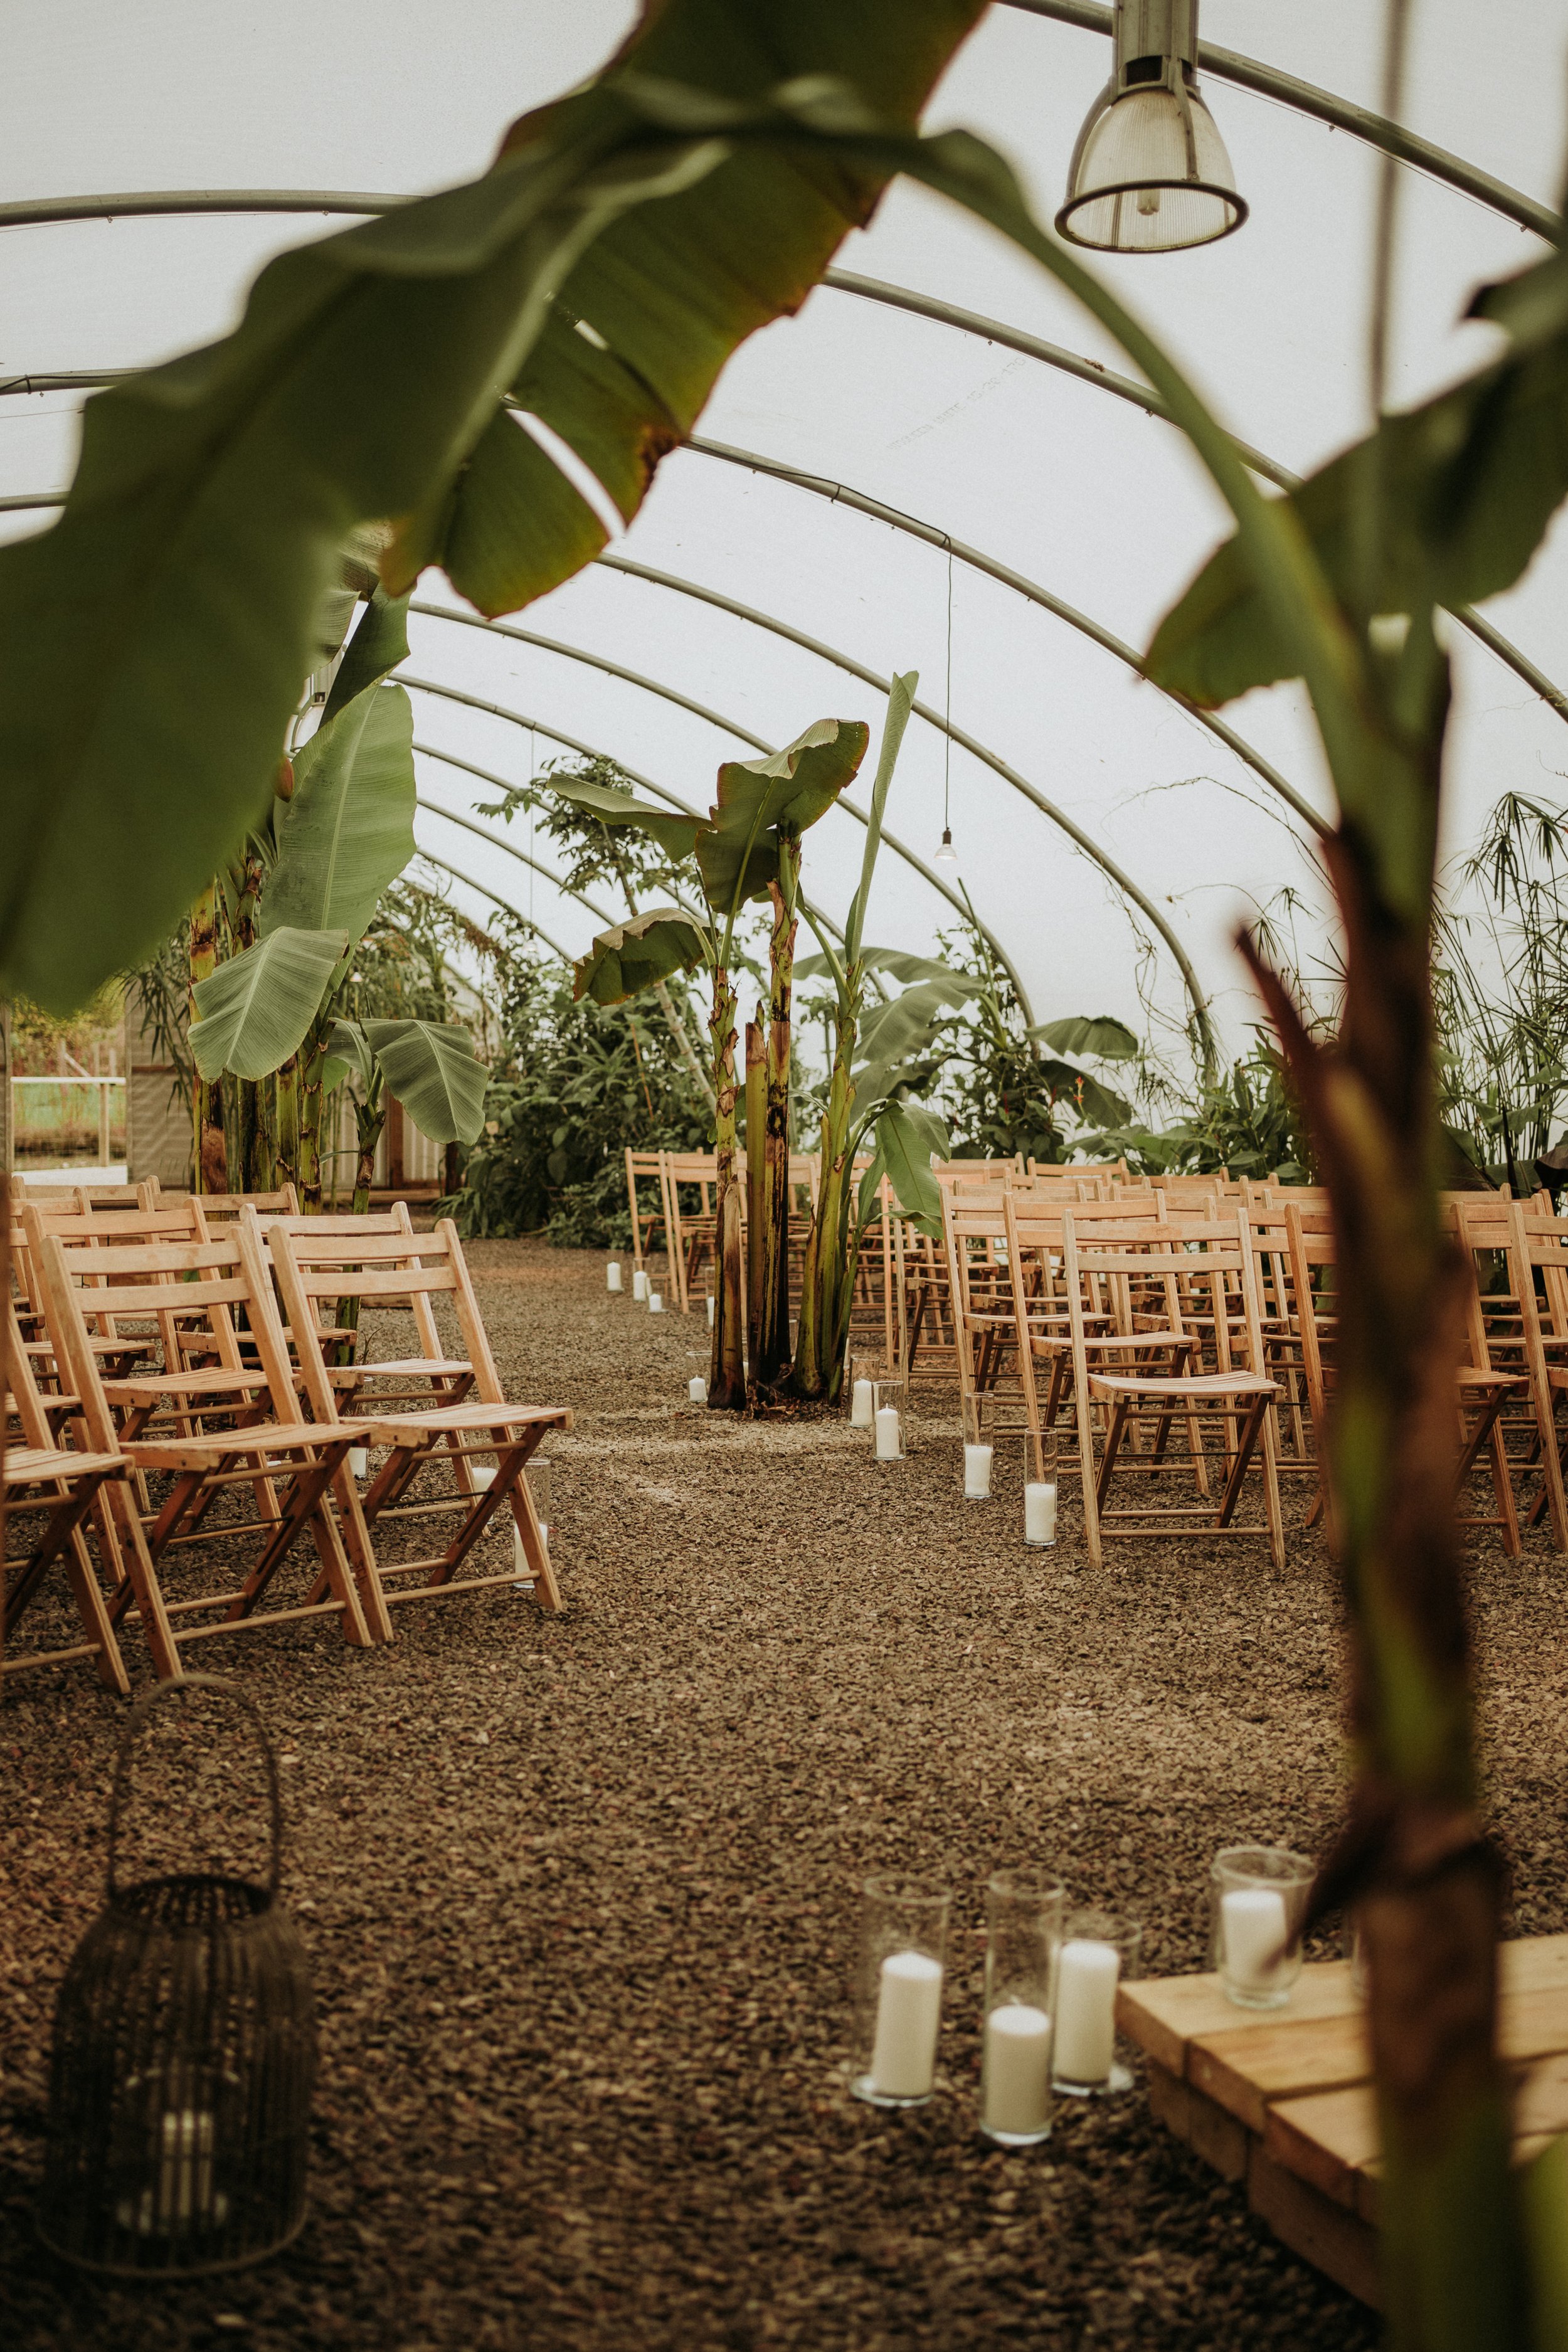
[1184,1258]
[434,1376]
[643,1167]
[1539,1281]
[222,1208]
[404,1267]
[1480,1393]
[289,1466]
[51,1490]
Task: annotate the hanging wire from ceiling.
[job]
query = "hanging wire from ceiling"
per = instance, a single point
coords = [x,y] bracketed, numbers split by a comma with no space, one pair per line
[947,855]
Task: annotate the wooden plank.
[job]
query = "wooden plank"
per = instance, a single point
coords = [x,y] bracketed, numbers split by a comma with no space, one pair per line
[1314,2227]
[1533,2024]
[1162,2014]
[1541,2103]
[1533,1964]
[1206,2129]
[1326,2137]
[1245,2071]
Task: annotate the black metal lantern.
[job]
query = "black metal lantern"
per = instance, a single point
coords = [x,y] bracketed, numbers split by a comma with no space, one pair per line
[184,2059]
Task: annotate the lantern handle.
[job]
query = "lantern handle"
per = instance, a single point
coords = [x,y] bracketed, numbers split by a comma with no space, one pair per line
[139,1714]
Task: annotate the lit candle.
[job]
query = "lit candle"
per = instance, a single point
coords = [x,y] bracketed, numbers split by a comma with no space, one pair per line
[185,2169]
[888,1433]
[908,2015]
[1253,1927]
[1040,1512]
[1017,2069]
[1087,1975]
[977,1472]
[697,1389]
[639,1282]
[612,1274]
[656,1302]
[359,1461]
[861,1405]
[710,1310]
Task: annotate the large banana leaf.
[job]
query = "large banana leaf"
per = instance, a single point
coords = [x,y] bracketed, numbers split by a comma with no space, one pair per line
[155,639]
[348,829]
[737,850]
[431,1068]
[897,965]
[1097,1037]
[255,1010]
[1469,481]
[906,1138]
[676,836]
[373,652]
[639,954]
[1094,1102]
[903,1026]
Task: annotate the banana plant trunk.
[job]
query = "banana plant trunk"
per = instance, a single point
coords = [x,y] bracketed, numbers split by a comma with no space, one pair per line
[727,1369]
[209,1155]
[756,1099]
[819,1347]
[1424,1881]
[369,1119]
[771,1365]
[286,1089]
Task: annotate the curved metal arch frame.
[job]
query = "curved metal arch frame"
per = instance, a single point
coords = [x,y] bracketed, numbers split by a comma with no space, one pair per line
[444,866]
[958,735]
[840,494]
[1142,395]
[518,719]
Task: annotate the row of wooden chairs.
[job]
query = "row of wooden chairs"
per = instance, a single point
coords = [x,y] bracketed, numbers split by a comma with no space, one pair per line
[186,1384]
[1128,1322]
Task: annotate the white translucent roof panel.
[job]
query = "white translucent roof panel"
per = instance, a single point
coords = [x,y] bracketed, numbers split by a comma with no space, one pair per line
[1098,503]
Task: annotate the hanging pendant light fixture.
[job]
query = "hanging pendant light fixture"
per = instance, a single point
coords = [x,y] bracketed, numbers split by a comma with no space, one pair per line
[947,855]
[1150,173]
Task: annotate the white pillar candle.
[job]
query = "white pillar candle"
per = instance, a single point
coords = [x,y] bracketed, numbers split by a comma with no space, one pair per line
[888,1433]
[697,1389]
[1040,1512]
[359,1461]
[977,1472]
[640,1283]
[861,1405]
[908,2015]
[1253,1928]
[710,1310]
[656,1302]
[1017,2069]
[483,1474]
[1087,1974]
[612,1275]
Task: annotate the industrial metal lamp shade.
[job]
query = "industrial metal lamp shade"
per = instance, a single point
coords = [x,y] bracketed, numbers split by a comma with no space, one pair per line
[1150,173]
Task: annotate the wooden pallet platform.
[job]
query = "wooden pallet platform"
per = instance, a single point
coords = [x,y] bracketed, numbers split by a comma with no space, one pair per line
[1282,2100]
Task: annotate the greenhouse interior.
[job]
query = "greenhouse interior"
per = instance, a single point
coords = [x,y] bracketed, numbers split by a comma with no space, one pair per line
[784,834]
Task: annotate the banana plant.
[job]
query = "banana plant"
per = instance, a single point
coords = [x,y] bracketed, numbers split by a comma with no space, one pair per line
[748,848]
[429,1066]
[906,1136]
[344,833]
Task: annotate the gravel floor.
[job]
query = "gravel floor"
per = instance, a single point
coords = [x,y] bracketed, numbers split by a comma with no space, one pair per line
[581,1895]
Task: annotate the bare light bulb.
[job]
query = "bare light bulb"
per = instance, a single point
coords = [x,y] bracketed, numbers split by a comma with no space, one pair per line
[947,855]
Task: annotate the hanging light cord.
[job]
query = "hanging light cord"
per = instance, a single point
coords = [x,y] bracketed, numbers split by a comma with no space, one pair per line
[947,730]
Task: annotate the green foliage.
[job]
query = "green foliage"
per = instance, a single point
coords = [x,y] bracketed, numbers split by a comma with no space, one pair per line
[432,1069]
[575,1084]
[1501,988]
[638,954]
[143,699]
[255,1009]
[762,802]
[1249,1121]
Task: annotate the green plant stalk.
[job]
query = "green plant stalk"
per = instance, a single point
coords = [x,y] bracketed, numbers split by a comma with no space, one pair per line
[206,1095]
[726,1370]
[771,1363]
[756,1100]
[370,1117]
[819,1370]
[286,1085]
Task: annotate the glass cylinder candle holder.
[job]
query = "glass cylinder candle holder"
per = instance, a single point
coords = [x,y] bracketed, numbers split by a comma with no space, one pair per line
[541,1482]
[1024,1911]
[857,1387]
[903,1959]
[656,1302]
[640,1283]
[890,1417]
[1098,1952]
[612,1274]
[979,1444]
[1258,1899]
[710,1310]
[1040,1492]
